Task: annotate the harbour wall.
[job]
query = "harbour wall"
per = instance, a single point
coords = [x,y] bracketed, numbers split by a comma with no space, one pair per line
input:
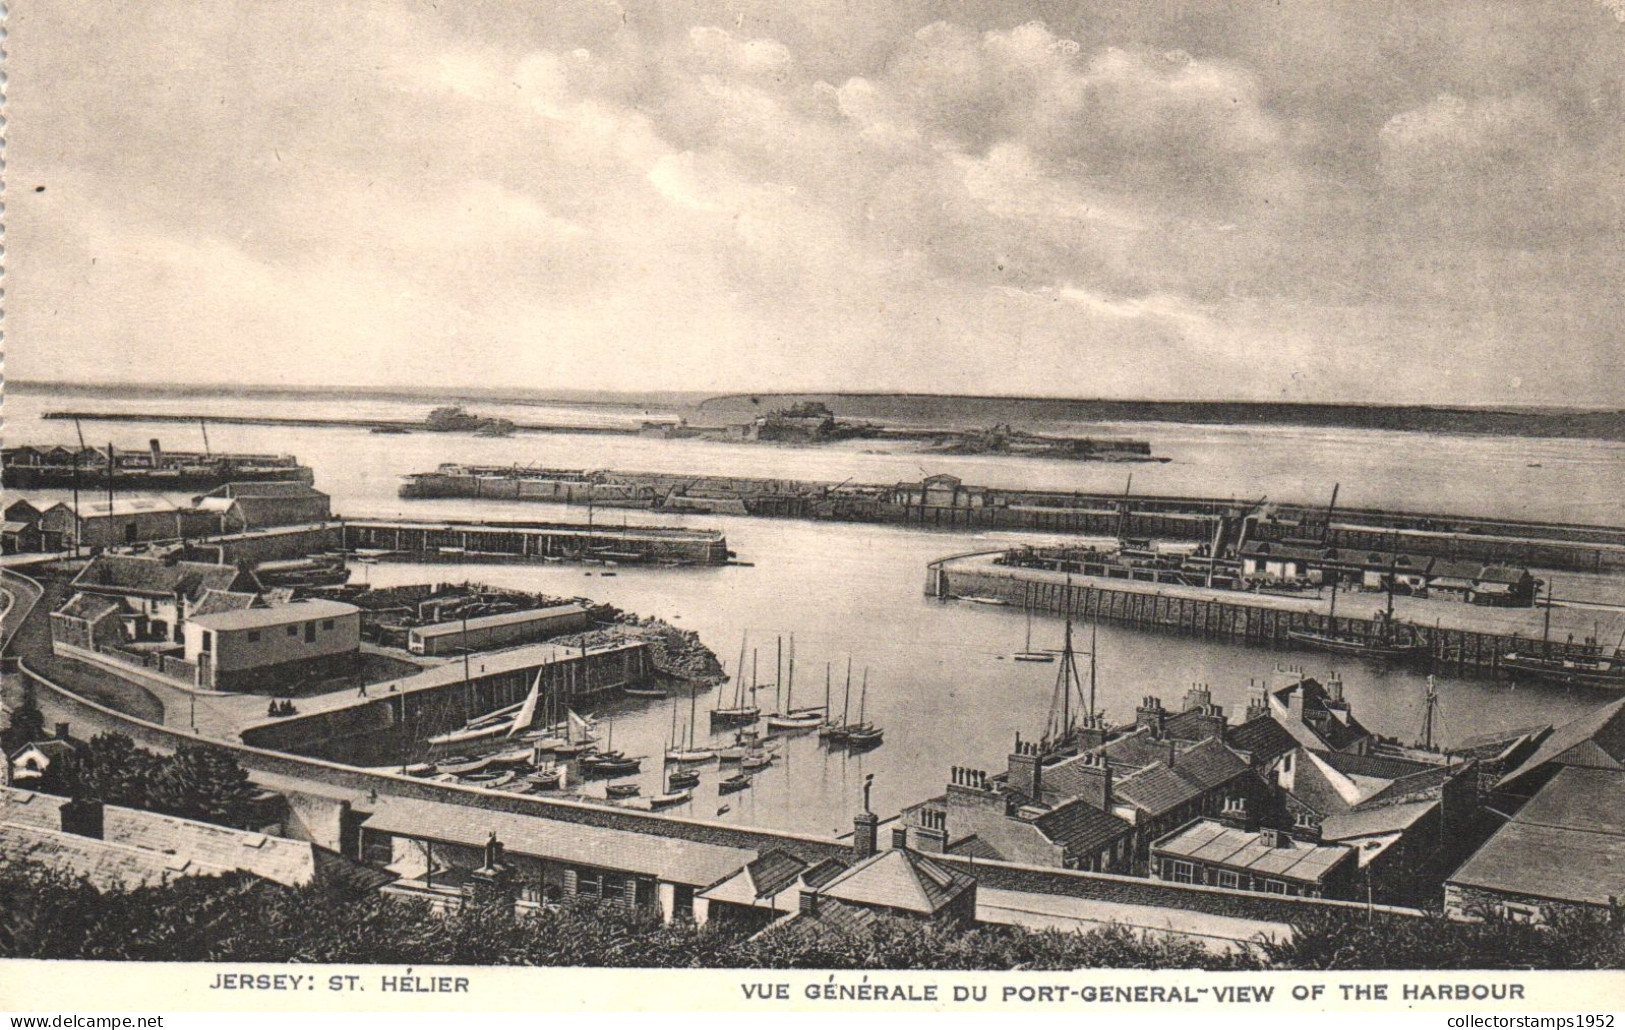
[417,713]
[329,801]
[1144,606]
[1194,519]
[474,542]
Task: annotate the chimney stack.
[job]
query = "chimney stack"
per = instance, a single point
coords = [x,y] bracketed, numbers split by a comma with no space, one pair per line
[1096,774]
[1235,815]
[1334,688]
[1026,769]
[1198,697]
[899,837]
[1150,714]
[62,731]
[865,826]
[157,453]
[931,833]
[809,901]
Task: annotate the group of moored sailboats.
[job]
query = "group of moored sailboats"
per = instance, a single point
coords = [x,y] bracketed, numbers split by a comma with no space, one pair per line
[861,735]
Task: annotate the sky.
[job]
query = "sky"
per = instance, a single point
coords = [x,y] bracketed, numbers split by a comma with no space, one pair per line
[1407,202]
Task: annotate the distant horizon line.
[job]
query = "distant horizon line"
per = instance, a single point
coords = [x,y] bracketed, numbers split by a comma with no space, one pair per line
[583,394]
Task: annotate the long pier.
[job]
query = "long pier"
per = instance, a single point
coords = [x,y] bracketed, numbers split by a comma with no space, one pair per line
[1264,620]
[409,425]
[946,503]
[419,540]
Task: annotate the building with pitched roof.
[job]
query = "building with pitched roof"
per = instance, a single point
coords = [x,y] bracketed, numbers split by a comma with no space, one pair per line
[157,594]
[1563,845]
[898,882]
[115,847]
[248,506]
[123,521]
[247,649]
[1405,819]
[1563,851]
[436,848]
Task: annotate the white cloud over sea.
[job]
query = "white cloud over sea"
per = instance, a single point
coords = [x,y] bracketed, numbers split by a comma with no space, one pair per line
[1093,200]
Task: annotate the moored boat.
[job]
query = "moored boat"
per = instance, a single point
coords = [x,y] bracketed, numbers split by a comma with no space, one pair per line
[733,784]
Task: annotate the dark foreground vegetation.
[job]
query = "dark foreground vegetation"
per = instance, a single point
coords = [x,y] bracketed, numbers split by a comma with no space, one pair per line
[242,918]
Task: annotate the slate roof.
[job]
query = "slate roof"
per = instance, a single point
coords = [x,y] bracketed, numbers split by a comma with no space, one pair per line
[668,858]
[1190,724]
[1217,844]
[1366,822]
[288,862]
[1579,799]
[1081,828]
[760,880]
[899,878]
[154,576]
[89,607]
[1262,737]
[1155,790]
[1544,862]
[1208,765]
[214,601]
[975,847]
[1385,767]
[31,808]
[105,865]
[1595,740]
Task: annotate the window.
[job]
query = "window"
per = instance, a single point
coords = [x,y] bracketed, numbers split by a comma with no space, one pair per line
[310,632]
[589,884]
[1178,872]
[253,636]
[293,631]
[1275,886]
[327,624]
[1228,879]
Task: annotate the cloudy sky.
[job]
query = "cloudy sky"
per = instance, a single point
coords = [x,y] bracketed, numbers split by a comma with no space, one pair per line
[1310,201]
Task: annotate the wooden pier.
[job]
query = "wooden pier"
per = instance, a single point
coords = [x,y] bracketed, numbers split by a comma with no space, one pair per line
[1231,617]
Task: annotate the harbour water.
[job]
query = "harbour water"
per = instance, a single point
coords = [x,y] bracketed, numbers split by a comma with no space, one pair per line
[941,679]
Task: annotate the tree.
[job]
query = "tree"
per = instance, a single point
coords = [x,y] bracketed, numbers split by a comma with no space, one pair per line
[200,782]
[113,770]
[27,725]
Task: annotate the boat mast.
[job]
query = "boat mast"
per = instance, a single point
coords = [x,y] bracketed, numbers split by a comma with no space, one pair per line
[826,690]
[1429,716]
[846,701]
[790,688]
[1094,632]
[778,677]
[691,717]
[1546,630]
[863,699]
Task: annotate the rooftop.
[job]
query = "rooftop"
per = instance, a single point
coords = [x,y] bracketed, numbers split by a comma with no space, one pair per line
[1547,862]
[1218,844]
[552,611]
[1595,740]
[155,576]
[669,859]
[281,615]
[902,879]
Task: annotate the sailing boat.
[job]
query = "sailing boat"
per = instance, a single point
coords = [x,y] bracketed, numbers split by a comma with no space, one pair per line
[1061,731]
[1027,654]
[835,732]
[1582,665]
[577,739]
[739,713]
[863,735]
[673,790]
[677,752]
[493,724]
[1389,641]
[610,762]
[788,717]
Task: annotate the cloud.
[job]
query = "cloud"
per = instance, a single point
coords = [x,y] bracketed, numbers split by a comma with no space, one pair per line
[932,196]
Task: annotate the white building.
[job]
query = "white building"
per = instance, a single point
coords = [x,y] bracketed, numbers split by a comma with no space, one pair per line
[256,648]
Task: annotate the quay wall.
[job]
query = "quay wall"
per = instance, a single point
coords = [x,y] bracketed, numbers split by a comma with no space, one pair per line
[1191,519]
[536,542]
[472,542]
[330,799]
[1141,606]
[426,711]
